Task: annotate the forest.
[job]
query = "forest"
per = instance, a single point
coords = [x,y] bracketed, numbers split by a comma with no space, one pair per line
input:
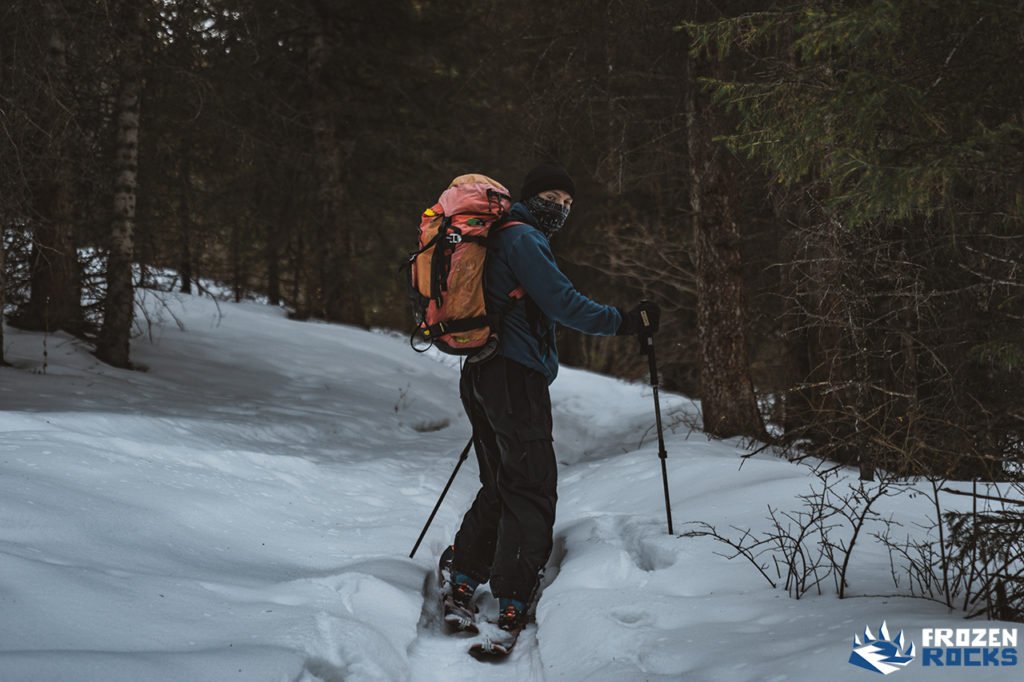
[825,197]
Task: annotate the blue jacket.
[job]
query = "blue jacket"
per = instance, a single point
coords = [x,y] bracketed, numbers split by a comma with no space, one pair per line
[521,257]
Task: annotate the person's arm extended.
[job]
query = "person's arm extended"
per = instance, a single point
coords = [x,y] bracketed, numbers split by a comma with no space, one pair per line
[533,263]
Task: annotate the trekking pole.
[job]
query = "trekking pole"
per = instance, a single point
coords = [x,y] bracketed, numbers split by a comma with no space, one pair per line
[647,346]
[462,458]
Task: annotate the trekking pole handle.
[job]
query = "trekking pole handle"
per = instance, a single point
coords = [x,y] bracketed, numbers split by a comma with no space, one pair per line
[647,348]
[646,333]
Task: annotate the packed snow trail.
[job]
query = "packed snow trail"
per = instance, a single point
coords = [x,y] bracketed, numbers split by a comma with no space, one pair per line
[243,509]
[436,655]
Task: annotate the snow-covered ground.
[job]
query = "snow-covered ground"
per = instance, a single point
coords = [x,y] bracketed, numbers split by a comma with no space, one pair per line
[243,509]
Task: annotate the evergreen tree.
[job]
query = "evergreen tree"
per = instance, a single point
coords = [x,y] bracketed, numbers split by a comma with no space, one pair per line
[897,129]
[54,301]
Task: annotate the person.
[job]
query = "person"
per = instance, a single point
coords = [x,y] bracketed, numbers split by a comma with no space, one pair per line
[506,536]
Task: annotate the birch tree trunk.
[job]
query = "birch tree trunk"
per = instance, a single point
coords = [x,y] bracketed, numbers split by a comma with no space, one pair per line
[336,296]
[727,396]
[54,301]
[113,346]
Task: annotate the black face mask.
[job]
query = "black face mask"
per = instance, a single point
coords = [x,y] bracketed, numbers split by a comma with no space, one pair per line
[549,216]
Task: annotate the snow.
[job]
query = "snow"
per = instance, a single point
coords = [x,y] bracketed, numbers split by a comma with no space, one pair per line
[243,509]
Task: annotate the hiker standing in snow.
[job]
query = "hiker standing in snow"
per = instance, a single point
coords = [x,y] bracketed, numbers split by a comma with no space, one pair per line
[506,536]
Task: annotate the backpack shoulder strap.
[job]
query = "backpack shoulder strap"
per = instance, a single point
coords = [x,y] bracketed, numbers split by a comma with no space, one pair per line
[498,227]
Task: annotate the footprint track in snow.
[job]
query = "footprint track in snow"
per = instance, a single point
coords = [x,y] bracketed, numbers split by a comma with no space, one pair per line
[632,617]
[644,539]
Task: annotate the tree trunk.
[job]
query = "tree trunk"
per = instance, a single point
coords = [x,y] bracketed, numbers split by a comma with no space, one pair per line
[276,234]
[338,297]
[614,128]
[836,348]
[185,216]
[300,287]
[727,396]
[273,272]
[237,275]
[184,27]
[113,346]
[3,289]
[54,302]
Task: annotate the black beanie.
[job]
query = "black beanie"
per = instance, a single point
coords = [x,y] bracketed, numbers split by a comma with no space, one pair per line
[544,177]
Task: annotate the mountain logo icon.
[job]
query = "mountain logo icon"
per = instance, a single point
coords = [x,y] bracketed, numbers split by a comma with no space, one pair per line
[882,654]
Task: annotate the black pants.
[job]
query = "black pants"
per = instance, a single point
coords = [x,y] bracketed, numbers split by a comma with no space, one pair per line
[506,536]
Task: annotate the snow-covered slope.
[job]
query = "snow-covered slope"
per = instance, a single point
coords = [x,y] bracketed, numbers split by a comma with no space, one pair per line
[243,510]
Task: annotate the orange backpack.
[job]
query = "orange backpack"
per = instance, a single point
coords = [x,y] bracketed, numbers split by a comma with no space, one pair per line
[447,272]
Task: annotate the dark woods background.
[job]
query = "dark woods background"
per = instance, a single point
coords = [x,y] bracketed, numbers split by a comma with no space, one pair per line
[825,197]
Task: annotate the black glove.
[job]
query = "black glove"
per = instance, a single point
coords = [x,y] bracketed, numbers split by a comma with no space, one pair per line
[632,321]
